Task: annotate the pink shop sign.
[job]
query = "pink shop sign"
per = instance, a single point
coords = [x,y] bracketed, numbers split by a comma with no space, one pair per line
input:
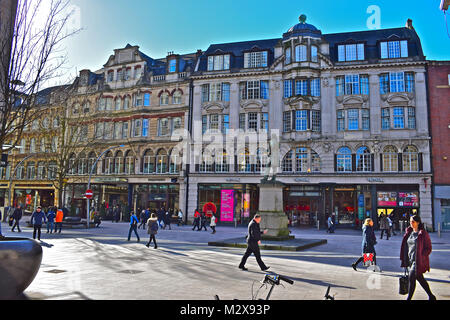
[227,205]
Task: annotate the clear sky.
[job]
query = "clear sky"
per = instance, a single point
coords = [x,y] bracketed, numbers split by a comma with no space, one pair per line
[183,26]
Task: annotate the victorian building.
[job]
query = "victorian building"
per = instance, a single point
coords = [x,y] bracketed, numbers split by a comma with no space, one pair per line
[351,113]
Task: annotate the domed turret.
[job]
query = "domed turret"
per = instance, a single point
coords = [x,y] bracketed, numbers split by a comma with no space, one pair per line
[303,29]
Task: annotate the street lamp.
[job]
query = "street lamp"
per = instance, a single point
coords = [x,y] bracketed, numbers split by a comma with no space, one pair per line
[89,181]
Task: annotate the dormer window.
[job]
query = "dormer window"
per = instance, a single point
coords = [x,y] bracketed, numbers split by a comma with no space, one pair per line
[351,52]
[172,65]
[394,49]
[219,62]
[255,59]
[110,75]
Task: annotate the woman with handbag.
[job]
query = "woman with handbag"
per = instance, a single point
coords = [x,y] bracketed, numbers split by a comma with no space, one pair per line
[152,229]
[414,254]
[368,243]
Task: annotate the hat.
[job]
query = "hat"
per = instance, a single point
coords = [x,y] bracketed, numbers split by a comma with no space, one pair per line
[39,207]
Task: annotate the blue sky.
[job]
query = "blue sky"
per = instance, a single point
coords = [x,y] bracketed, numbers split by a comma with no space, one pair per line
[183,26]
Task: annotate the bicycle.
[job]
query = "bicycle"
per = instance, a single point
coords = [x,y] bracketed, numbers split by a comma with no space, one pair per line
[271,279]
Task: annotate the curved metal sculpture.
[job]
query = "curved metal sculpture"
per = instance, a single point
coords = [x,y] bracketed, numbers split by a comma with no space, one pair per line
[20,259]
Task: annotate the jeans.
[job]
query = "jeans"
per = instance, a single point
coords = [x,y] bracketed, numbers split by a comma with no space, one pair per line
[387,233]
[133,228]
[50,226]
[252,248]
[58,224]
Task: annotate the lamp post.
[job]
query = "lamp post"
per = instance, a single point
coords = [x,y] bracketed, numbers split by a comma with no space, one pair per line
[89,181]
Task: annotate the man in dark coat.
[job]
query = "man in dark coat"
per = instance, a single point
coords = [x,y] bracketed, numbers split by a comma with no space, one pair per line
[36,221]
[253,242]
[17,215]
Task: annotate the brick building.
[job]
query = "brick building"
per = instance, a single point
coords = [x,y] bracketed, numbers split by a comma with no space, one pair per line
[439,104]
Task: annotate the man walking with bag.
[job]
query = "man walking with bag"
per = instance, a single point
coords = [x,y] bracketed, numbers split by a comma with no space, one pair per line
[253,242]
[133,226]
[36,221]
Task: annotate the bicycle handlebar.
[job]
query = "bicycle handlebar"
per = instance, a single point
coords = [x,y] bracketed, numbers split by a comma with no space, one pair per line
[286,279]
[275,279]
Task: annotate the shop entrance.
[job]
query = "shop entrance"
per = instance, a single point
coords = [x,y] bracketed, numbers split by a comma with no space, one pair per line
[302,205]
[345,204]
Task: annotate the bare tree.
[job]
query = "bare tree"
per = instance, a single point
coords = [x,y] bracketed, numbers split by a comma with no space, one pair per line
[31,54]
[70,138]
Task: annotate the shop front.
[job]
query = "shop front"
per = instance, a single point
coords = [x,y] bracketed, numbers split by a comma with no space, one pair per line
[30,198]
[232,203]
[157,195]
[302,204]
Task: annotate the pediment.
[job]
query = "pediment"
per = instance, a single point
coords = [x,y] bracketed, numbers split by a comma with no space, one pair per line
[353,100]
[214,107]
[398,98]
[252,104]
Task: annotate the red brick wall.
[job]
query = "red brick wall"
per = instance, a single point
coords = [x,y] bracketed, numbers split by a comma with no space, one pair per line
[439,99]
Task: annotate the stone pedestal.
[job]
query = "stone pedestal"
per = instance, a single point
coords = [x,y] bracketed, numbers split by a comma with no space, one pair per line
[273,217]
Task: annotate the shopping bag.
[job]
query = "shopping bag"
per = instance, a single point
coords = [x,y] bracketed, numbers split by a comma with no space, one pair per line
[404,283]
[368,259]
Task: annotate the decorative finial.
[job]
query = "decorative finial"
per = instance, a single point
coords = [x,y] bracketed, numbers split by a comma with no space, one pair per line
[302,18]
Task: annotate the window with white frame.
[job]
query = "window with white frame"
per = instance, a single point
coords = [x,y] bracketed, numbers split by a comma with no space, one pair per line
[287,53]
[301,53]
[316,120]
[125,130]
[399,117]
[314,54]
[340,120]
[385,119]
[137,72]
[118,103]
[176,98]
[177,123]
[353,119]
[145,124]
[344,160]
[315,87]
[301,87]
[219,62]
[397,82]
[394,49]
[301,120]
[365,119]
[119,75]
[164,99]
[163,127]
[255,59]
[410,158]
[411,117]
[138,99]
[117,130]
[390,159]
[363,159]
[216,92]
[351,52]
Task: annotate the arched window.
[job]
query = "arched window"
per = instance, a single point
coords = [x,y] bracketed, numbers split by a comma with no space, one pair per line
[56,122]
[244,161]
[410,159]
[82,164]
[91,160]
[20,172]
[22,146]
[52,170]
[161,161]
[42,146]
[126,103]
[363,159]
[31,171]
[148,162]
[108,163]
[176,99]
[301,160]
[41,170]
[32,145]
[164,99]
[208,160]
[175,160]
[72,165]
[221,162]
[118,103]
[54,146]
[129,162]
[119,163]
[287,162]
[390,159]
[344,160]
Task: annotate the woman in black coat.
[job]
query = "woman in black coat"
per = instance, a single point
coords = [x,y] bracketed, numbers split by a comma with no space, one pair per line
[368,243]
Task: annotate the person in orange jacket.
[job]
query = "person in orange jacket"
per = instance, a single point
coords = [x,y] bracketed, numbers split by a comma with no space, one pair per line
[59,220]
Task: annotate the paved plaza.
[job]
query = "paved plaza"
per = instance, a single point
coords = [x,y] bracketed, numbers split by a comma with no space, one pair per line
[102,264]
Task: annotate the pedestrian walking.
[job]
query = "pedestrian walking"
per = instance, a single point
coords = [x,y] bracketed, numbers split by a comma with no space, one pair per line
[97,219]
[369,241]
[167,217]
[17,215]
[391,225]
[51,215]
[59,220]
[202,222]
[414,254]
[253,242]
[180,217]
[196,220]
[160,215]
[330,225]
[143,220]
[36,221]
[212,224]
[152,230]
[133,226]
[384,226]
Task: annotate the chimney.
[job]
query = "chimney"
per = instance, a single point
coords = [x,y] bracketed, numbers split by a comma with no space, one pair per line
[409,24]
